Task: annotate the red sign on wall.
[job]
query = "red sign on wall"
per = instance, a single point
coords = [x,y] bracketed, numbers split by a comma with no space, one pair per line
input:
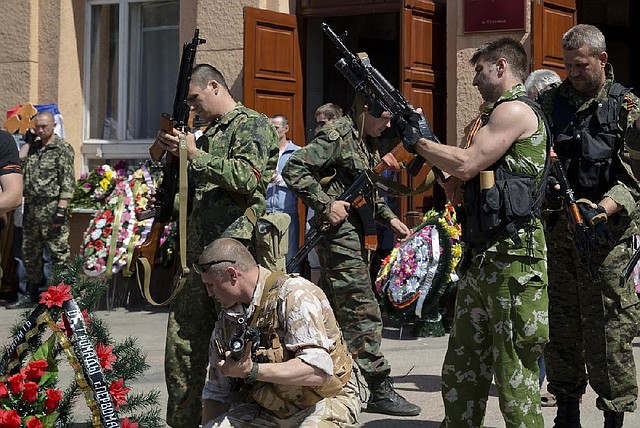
[493,15]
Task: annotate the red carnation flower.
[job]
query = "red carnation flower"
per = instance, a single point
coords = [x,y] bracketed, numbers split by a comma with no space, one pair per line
[106,232]
[98,244]
[126,423]
[118,392]
[4,392]
[35,370]
[30,392]
[10,419]
[34,423]
[56,295]
[16,384]
[105,355]
[53,399]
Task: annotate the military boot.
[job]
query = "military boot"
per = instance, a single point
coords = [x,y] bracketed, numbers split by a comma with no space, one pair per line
[23,301]
[613,419]
[384,399]
[568,415]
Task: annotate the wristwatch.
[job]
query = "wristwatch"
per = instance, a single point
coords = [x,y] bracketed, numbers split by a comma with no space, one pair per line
[252,377]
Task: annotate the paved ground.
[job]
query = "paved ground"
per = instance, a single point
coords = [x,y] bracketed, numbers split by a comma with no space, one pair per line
[416,367]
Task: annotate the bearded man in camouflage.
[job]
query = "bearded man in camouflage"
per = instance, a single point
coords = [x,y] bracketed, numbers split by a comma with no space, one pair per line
[300,372]
[500,324]
[230,167]
[49,182]
[593,322]
[347,150]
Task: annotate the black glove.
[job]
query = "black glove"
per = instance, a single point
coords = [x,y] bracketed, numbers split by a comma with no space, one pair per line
[59,216]
[553,196]
[412,128]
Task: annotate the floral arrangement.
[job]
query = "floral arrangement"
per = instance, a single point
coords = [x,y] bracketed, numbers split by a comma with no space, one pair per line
[418,270]
[94,187]
[29,397]
[115,231]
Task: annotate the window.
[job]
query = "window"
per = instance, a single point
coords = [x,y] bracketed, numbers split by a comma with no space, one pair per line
[131,67]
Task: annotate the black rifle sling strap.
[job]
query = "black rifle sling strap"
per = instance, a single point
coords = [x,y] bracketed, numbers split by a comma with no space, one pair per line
[144,266]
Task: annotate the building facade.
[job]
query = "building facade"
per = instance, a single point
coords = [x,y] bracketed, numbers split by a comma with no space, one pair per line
[111,65]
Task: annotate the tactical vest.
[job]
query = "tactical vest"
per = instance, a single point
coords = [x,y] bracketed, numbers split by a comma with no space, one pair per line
[513,201]
[286,400]
[587,145]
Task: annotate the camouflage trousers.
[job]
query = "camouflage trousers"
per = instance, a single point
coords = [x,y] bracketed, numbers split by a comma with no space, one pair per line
[347,283]
[38,232]
[499,330]
[339,411]
[192,316]
[592,325]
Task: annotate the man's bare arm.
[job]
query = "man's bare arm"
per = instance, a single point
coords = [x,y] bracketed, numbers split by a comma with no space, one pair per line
[11,196]
[508,123]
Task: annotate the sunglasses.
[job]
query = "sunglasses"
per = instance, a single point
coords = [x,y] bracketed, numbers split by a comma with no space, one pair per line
[201,268]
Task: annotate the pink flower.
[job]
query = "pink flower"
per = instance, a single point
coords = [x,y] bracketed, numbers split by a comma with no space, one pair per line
[56,295]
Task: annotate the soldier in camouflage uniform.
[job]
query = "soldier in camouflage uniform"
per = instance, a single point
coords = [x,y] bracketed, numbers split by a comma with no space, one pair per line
[500,324]
[49,183]
[301,373]
[230,167]
[344,151]
[592,323]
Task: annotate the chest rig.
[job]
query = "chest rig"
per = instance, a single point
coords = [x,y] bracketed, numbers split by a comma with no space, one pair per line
[587,142]
[510,204]
[286,400]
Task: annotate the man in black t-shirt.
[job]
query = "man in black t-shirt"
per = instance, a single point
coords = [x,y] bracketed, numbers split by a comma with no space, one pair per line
[10,179]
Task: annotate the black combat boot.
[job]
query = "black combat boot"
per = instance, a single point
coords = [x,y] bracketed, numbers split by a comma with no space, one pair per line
[568,415]
[384,399]
[613,419]
[27,300]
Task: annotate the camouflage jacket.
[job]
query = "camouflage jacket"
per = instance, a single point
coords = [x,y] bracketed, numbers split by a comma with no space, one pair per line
[306,329]
[338,153]
[49,173]
[237,156]
[626,189]
[526,156]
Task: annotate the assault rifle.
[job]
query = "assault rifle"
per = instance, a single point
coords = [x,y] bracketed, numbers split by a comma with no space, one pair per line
[356,195]
[165,194]
[586,232]
[380,95]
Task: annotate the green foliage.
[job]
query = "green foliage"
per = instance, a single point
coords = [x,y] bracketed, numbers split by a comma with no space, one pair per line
[130,364]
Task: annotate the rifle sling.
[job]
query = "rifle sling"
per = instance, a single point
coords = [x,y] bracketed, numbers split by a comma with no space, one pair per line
[144,267]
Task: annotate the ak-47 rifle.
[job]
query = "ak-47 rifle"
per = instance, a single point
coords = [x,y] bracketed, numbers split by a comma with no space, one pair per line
[379,95]
[165,194]
[356,195]
[584,223]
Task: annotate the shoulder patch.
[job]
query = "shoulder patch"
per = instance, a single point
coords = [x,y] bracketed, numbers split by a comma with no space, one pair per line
[333,134]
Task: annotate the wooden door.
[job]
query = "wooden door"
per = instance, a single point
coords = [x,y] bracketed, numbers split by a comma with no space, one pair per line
[272,67]
[423,74]
[551,19]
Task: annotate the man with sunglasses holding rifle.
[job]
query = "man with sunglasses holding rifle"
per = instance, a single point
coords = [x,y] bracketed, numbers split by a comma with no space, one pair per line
[277,357]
